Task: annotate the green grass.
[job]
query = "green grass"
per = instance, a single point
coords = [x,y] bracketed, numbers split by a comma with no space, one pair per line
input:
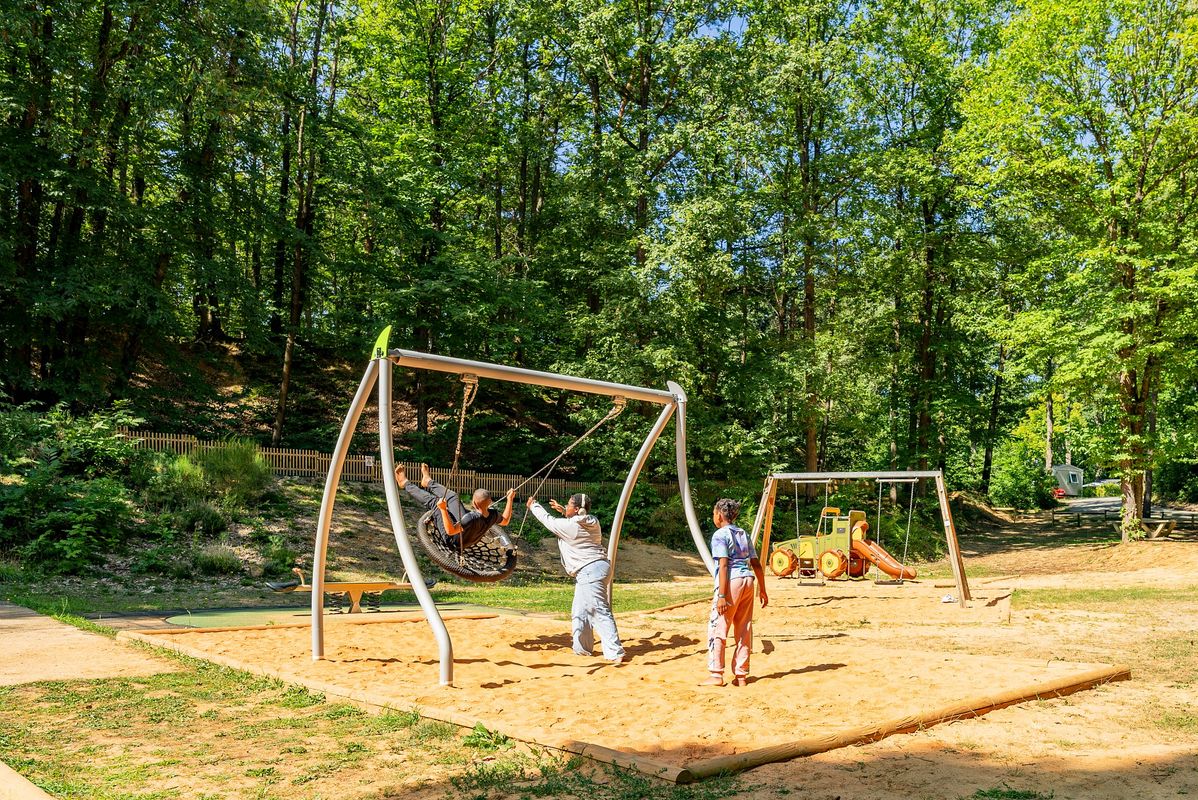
[68,600]
[1178,722]
[1100,598]
[941,570]
[1007,793]
[557,597]
[236,734]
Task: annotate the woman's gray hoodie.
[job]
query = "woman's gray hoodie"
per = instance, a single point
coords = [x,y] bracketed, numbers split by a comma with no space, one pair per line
[579,538]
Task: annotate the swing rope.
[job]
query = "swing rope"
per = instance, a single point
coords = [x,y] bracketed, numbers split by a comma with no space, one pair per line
[617,408]
[469,390]
[910,512]
[878,533]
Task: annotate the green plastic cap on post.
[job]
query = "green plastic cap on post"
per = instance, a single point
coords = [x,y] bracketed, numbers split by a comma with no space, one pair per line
[380,344]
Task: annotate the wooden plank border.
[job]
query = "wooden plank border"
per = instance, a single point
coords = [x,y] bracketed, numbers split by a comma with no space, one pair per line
[965,709]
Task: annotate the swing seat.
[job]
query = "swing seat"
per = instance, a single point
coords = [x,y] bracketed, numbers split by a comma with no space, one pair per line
[490,559]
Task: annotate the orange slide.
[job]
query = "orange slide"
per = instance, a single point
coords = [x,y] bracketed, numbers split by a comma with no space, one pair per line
[872,551]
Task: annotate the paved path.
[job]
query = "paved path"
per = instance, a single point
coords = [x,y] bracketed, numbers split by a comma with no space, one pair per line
[38,648]
[1111,505]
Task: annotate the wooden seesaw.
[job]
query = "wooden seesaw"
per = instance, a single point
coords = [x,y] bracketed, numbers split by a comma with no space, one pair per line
[352,589]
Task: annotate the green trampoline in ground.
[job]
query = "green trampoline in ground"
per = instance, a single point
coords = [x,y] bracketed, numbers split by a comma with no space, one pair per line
[242,617]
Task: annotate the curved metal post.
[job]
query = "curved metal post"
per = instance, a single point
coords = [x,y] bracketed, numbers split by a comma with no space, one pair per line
[325,520]
[617,521]
[684,484]
[406,554]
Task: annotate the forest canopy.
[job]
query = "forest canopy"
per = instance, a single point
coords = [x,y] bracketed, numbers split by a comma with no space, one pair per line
[952,234]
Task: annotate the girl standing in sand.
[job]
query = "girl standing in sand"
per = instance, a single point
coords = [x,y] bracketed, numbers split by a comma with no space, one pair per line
[732,606]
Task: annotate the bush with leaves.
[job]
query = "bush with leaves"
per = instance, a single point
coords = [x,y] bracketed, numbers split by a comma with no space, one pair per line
[202,492]
[1019,479]
[217,559]
[64,525]
[234,471]
[65,502]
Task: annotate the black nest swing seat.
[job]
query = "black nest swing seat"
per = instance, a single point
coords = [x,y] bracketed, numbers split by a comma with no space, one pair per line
[490,559]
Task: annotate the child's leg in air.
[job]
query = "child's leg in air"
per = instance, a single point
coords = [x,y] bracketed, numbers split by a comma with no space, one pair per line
[456,509]
[426,499]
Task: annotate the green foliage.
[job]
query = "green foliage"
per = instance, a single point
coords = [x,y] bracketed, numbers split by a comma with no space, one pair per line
[175,481]
[480,738]
[1019,479]
[234,471]
[1178,481]
[200,517]
[78,489]
[73,525]
[67,504]
[217,559]
[163,559]
[278,558]
[1006,793]
[858,235]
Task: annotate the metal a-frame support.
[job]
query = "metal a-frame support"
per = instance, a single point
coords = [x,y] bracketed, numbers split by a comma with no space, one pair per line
[379,371]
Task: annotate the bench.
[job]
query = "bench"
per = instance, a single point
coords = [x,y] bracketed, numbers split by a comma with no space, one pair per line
[1153,528]
[1162,529]
[353,590]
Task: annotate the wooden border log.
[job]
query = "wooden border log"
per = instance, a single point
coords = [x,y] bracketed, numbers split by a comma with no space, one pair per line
[619,758]
[738,762]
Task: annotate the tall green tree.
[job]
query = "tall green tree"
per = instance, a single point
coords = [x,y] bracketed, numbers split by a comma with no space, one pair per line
[1090,110]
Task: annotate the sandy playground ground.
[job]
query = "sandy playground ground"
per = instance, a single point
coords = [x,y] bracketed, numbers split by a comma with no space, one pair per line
[826,659]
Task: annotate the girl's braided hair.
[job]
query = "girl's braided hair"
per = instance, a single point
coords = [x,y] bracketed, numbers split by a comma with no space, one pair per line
[729,509]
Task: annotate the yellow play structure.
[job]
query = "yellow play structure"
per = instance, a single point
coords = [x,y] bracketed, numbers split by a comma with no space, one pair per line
[841,548]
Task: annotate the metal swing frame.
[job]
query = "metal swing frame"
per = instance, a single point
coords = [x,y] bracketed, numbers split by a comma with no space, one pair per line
[763,522]
[379,371]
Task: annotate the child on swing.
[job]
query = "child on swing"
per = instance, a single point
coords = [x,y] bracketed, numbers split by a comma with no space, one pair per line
[732,606]
[454,520]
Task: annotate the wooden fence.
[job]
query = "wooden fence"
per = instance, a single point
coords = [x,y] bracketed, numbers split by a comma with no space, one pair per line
[362,468]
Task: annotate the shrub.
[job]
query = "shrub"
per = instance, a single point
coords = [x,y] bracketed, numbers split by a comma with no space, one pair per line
[201,517]
[74,527]
[175,482]
[1177,480]
[19,429]
[235,471]
[88,446]
[217,559]
[278,558]
[1019,478]
[160,560]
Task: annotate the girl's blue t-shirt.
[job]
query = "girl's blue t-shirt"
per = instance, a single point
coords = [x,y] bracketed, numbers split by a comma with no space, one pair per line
[733,543]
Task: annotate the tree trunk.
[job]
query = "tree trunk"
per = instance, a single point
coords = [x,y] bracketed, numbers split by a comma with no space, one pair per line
[305,216]
[1147,509]
[1048,420]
